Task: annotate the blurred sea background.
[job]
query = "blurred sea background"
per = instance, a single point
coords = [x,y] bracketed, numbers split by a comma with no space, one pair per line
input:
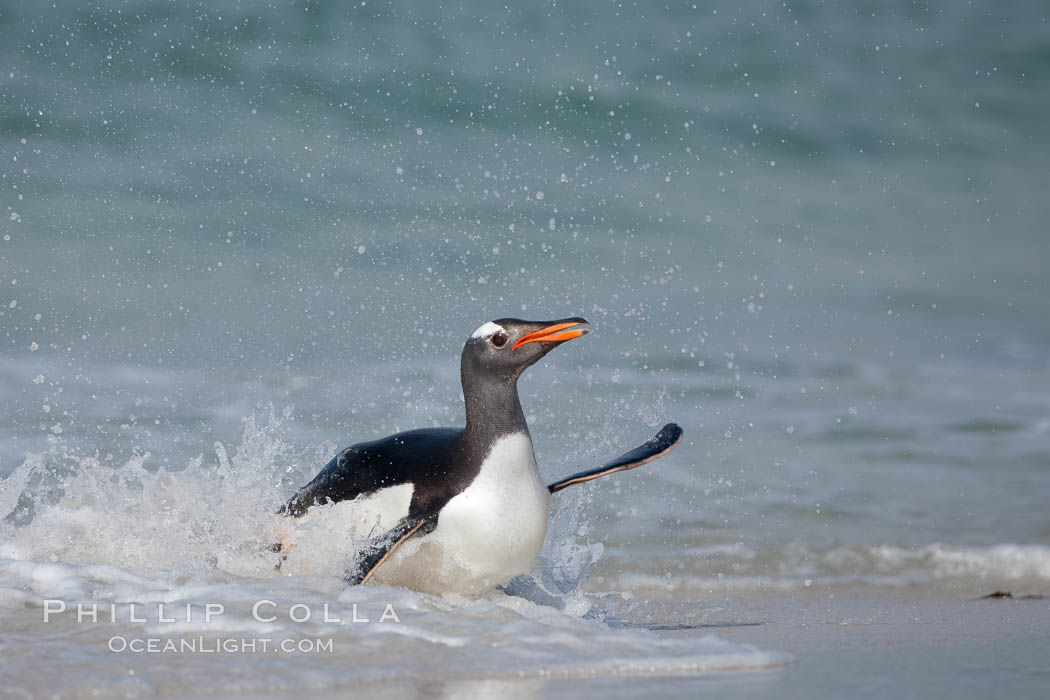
[237,236]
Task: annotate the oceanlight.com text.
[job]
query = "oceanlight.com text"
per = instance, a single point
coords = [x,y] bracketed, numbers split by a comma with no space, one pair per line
[206,645]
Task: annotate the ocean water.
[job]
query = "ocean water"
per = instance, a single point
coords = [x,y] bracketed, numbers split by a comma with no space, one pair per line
[236,237]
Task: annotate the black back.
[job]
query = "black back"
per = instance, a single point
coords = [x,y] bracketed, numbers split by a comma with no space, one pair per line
[436,461]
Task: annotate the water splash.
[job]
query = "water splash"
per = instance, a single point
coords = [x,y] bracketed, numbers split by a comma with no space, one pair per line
[207,519]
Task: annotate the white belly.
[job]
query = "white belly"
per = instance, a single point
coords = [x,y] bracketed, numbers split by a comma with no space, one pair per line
[486,535]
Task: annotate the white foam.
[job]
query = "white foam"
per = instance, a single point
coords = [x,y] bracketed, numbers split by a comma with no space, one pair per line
[328,535]
[135,534]
[204,518]
[497,635]
[795,566]
[1003,561]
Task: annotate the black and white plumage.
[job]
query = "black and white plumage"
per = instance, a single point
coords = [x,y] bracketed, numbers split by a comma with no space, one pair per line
[458,509]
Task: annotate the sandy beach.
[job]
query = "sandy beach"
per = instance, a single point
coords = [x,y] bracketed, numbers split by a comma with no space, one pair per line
[909,643]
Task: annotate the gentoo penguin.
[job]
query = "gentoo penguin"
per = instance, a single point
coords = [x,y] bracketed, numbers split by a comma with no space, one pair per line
[457,509]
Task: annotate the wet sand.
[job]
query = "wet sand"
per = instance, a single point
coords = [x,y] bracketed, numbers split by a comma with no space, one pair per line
[873,644]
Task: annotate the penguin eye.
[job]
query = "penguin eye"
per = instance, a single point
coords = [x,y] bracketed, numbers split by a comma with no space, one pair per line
[499,339]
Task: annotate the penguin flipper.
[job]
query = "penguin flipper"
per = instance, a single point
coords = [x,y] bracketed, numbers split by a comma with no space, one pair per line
[654,448]
[377,552]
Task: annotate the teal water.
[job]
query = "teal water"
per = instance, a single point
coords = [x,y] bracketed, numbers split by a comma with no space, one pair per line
[812,233]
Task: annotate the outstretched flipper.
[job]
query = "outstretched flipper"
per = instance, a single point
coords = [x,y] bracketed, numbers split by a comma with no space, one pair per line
[657,446]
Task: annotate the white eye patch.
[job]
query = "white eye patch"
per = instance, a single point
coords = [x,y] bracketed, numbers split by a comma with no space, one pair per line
[486,329]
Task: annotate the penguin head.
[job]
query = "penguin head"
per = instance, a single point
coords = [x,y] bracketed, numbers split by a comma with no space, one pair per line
[506,347]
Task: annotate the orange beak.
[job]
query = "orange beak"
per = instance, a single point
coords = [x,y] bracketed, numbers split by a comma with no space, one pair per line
[557,333]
